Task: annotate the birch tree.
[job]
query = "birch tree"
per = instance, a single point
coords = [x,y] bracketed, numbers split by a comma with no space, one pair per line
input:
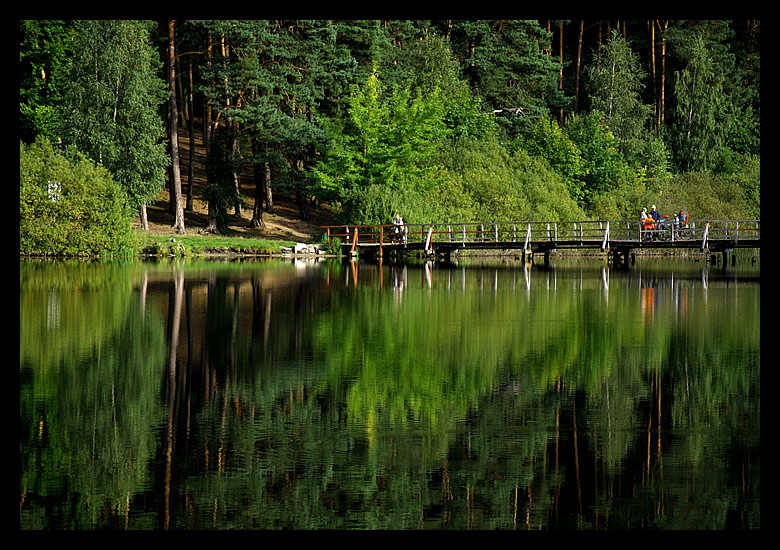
[615,86]
[698,90]
[111,105]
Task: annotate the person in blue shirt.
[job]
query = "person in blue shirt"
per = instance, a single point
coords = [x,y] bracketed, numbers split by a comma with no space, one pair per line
[655,214]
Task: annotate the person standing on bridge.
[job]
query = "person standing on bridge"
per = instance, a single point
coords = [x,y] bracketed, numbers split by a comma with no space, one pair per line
[655,214]
[400,228]
[646,224]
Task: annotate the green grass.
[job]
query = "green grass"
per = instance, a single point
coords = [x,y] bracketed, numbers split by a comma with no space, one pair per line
[200,244]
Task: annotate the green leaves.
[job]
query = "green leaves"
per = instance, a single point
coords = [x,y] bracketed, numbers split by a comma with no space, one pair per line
[700,102]
[390,139]
[547,140]
[615,85]
[111,104]
[88,216]
[43,55]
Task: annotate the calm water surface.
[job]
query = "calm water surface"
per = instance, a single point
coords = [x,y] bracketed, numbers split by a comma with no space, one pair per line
[344,395]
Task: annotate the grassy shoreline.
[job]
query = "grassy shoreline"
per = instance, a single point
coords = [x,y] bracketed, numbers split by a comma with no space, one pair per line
[208,245]
[151,245]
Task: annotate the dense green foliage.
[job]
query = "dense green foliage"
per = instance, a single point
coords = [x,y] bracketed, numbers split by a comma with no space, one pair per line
[110,105]
[68,205]
[369,115]
[45,48]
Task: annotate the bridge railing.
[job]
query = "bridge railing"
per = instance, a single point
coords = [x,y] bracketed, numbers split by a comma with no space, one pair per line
[571,233]
[517,232]
[736,230]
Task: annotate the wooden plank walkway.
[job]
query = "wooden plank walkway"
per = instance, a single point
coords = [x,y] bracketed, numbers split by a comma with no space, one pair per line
[616,237]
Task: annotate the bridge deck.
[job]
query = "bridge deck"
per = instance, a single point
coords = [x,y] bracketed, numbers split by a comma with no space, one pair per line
[711,235]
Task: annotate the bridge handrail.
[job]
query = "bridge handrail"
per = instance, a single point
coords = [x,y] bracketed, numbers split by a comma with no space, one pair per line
[531,231]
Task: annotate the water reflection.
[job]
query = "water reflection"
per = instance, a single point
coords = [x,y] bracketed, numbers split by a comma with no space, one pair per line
[310,395]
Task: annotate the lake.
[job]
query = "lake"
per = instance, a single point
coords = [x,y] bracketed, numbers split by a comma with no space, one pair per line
[482,394]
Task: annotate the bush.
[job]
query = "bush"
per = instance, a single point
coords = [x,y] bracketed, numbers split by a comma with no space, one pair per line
[69,206]
[547,140]
[705,195]
[480,182]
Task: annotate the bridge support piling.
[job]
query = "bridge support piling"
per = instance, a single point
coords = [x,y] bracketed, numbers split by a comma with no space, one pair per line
[620,256]
[725,253]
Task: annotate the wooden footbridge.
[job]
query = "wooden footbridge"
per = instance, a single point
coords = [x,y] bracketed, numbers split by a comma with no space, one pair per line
[618,238]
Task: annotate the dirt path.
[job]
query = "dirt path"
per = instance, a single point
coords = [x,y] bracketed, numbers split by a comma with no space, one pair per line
[283,224]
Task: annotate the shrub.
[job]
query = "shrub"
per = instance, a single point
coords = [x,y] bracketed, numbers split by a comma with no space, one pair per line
[547,140]
[68,205]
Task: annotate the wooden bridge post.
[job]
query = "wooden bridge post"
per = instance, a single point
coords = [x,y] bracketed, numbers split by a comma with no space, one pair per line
[527,244]
[354,240]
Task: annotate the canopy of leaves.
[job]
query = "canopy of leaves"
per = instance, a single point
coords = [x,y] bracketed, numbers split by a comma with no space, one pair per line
[111,102]
[366,112]
[68,205]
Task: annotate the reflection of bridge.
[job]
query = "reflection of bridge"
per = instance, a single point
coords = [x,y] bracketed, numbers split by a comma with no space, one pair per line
[618,238]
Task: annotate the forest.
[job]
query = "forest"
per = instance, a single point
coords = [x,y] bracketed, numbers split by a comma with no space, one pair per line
[440,120]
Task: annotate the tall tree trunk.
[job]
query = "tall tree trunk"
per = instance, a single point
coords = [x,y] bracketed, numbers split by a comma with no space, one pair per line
[269,194]
[579,59]
[174,134]
[191,129]
[181,97]
[653,74]
[169,169]
[206,128]
[751,31]
[257,210]
[236,176]
[560,71]
[212,226]
[303,204]
[207,122]
[144,218]
[236,150]
[598,50]
[661,95]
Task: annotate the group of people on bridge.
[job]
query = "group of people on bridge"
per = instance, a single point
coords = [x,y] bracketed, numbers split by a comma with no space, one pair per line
[647,221]
[652,220]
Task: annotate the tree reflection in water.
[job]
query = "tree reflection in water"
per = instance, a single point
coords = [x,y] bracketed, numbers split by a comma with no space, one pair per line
[338,395]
